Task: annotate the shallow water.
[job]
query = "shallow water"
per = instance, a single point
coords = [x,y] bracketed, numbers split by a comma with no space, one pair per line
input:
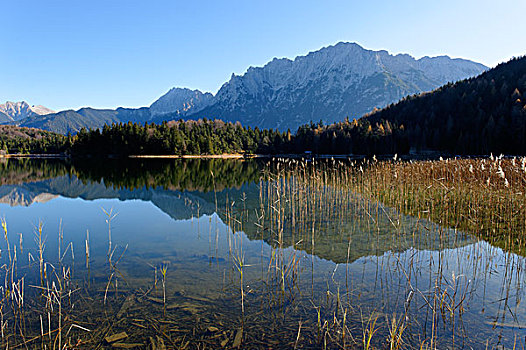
[228,282]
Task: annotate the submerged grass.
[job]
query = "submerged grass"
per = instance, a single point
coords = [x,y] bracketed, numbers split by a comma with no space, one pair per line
[305,200]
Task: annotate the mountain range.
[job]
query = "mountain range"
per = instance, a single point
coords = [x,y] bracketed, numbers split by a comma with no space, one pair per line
[339,81]
[335,82]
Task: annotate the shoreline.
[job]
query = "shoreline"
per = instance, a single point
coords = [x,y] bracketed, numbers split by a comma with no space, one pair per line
[196,156]
[251,156]
[413,156]
[53,156]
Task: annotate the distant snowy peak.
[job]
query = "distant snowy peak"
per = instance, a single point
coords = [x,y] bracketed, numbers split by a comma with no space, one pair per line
[19,110]
[181,101]
[41,110]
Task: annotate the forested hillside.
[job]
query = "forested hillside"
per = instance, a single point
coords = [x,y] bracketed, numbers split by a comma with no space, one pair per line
[474,116]
[14,139]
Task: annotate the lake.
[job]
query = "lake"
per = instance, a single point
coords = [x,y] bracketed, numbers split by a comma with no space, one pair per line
[207,254]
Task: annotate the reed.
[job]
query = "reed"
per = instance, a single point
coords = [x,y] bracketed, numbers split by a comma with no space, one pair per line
[109,217]
[482,197]
[164,269]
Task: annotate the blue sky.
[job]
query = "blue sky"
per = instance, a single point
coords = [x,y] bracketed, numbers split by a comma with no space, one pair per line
[104,54]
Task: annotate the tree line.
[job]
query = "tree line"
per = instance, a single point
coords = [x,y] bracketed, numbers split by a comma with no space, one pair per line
[201,137]
[211,137]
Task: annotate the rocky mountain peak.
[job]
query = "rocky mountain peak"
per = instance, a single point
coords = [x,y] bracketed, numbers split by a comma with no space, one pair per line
[181,101]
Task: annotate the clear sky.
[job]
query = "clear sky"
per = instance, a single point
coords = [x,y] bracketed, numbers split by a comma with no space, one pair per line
[71,53]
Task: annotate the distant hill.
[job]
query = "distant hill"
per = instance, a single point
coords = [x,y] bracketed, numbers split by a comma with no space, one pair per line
[474,116]
[344,80]
[72,121]
[4,118]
